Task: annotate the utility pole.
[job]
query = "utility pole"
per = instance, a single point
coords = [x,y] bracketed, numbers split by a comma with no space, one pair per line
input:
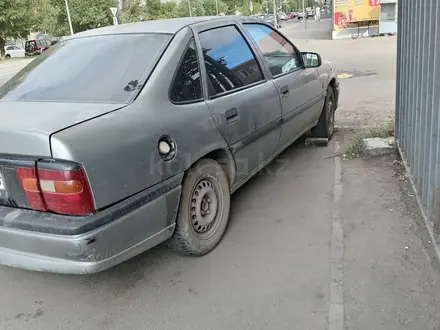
[189,6]
[305,18]
[68,17]
[275,16]
[216,6]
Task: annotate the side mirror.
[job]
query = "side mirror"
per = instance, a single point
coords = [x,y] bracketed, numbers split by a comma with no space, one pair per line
[311,60]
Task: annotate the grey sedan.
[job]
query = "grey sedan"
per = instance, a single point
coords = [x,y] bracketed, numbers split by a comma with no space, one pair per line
[142,137]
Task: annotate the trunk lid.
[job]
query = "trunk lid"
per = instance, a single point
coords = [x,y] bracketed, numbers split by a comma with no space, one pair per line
[26,127]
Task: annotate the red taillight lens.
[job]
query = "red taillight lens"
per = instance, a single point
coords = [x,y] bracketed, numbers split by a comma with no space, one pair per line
[65,192]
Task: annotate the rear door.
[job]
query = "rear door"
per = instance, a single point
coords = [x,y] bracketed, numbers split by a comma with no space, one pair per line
[244,103]
[300,89]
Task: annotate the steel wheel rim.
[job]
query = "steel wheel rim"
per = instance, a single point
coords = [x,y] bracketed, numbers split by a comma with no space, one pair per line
[205,208]
[330,116]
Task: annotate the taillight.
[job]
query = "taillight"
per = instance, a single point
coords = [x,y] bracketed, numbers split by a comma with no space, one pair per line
[59,191]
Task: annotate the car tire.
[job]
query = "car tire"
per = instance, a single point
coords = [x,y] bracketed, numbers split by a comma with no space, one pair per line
[326,123]
[203,211]
[8,56]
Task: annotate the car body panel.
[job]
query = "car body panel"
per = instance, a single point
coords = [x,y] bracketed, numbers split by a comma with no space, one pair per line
[136,191]
[254,134]
[96,250]
[302,106]
[134,133]
[26,131]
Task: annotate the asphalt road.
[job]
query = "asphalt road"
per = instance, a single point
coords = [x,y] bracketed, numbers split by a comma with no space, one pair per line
[271,271]
[10,67]
[311,29]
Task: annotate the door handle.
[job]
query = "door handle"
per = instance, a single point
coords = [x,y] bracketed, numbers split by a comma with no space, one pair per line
[284,91]
[231,115]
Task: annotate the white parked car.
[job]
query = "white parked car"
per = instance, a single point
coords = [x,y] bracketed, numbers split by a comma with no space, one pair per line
[13,51]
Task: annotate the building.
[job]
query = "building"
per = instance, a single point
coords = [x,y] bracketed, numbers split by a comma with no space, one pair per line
[418,103]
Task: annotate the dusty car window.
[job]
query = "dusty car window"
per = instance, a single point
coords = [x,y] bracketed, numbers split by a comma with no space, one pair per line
[229,61]
[277,51]
[105,69]
[186,86]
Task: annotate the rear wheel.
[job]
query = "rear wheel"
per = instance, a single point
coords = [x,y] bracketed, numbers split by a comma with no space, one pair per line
[203,211]
[8,56]
[326,123]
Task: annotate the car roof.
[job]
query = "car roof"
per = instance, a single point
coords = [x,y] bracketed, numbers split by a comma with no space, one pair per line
[167,26]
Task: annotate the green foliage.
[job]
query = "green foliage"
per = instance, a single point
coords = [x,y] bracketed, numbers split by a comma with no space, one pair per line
[210,7]
[89,14]
[16,18]
[182,9]
[51,16]
[19,17]
[132,12]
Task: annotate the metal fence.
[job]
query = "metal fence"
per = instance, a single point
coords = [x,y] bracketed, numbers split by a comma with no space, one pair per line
[418,101]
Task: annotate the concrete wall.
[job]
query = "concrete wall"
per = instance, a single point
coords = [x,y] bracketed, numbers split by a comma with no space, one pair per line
[418,101]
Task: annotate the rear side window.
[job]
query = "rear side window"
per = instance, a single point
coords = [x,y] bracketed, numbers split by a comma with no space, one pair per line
[186,86]
[100,69]
[229,62]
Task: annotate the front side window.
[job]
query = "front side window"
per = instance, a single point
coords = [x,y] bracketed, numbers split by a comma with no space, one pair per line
[278,52]
[229,61]
[98,69]
[186,86]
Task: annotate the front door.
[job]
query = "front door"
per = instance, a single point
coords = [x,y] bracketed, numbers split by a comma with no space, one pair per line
[245,105]
[300,89]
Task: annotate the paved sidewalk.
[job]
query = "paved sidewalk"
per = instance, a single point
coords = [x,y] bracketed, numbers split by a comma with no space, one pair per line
[389,280]
[9,67]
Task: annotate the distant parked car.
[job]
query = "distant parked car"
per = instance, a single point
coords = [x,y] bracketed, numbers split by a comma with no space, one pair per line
[282,16]
[36,47]
[103,157]
[309,14]
[13,52]
[269,19]
[290,15]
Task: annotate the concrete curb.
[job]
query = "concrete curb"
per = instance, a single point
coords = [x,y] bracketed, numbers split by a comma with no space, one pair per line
[428,236]
[375,147]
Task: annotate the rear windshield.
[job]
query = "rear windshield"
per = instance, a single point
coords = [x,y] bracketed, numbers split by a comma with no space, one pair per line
[100,69]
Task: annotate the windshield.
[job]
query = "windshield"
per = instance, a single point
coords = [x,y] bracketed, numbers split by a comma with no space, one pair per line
[104,69]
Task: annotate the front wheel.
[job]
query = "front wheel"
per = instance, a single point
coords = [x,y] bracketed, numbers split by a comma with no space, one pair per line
[326,123]
[203,211]
[8,56]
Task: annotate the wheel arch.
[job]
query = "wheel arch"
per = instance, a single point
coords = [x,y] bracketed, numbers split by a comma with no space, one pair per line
[226,160]
[332,84]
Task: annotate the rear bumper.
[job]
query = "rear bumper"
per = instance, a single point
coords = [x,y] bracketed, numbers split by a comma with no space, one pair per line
[78,258]
[129,234]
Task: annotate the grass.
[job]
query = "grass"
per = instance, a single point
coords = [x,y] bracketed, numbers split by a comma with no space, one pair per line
[356,147]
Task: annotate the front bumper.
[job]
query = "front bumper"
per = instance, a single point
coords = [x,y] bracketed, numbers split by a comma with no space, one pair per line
[129,234]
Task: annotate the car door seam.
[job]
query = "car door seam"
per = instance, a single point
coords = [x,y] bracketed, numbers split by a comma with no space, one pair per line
[257,135]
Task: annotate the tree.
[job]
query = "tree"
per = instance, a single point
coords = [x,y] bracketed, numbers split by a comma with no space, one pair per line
[89,14]
[182,9]
[49,18]
[132,11]
[210,7]
[16,18]
[168,9]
